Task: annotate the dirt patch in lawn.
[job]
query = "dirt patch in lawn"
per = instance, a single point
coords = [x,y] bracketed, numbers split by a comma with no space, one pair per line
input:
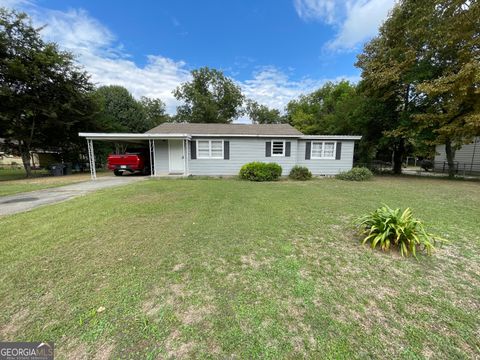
[195,314]
[176,348]
[16,322]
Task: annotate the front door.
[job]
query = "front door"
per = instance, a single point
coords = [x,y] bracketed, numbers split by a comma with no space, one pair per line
[176,156]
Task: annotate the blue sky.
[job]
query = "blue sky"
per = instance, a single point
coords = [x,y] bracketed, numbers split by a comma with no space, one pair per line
[274,49]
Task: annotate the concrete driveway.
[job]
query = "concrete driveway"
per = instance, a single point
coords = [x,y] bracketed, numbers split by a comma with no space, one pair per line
[12,204]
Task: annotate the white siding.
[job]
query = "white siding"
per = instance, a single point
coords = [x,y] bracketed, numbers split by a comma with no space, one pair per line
[161,157]
[242,151]
[324,166]
[245,150]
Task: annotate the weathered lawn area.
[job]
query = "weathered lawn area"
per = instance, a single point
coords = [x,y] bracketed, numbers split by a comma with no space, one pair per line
[14,181]
[224,268]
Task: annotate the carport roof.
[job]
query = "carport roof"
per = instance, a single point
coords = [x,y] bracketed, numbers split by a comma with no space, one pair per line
[131,136]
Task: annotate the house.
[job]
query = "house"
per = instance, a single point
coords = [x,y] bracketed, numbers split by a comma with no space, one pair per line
[466,159]
[39,158]
[222,149]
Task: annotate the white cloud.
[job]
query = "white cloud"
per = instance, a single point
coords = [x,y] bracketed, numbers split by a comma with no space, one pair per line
[14,3]
[355,21]
[272,87]
[327,10]
[105,59]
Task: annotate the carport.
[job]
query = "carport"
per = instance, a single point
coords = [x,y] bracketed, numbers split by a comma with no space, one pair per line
[153,140]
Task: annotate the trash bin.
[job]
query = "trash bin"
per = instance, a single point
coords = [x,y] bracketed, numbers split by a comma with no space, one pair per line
[67,169]
[56,169]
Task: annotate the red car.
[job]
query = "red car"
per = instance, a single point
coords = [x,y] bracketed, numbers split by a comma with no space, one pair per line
[130,162]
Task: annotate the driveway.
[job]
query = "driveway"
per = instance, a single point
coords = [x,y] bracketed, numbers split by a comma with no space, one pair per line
[26,201]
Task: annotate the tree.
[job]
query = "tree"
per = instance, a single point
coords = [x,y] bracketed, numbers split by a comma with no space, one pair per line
[327,110]
[120,112]
[425,63]
[210,97]
[261,114]
[154,110]
[44,97]
[452,94]
[345,108]
[391,72]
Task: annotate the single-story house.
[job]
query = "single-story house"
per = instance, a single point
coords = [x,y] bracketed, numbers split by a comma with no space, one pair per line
[466,159]
[222,149]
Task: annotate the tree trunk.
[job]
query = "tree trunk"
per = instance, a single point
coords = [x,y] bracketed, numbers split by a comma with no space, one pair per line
[398,157]
[450,152]
[26,162]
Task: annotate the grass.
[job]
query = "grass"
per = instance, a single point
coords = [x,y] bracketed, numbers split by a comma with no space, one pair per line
[13,181]
[224,268]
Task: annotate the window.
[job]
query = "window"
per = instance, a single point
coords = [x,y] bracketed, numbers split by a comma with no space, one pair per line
[216,149]
[278,148]
[203,149]
[323,150]
[209,149]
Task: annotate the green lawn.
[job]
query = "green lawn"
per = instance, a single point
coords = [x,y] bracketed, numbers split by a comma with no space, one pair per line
[231,269]
[14,181]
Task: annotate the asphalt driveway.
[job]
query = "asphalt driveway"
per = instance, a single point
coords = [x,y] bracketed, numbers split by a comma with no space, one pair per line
[26,201]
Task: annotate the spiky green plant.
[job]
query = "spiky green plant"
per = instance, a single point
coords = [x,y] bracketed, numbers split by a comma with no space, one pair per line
[388,227]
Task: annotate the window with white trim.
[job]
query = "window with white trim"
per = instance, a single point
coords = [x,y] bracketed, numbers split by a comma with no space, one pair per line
[278,148]
[209,149]
[323,149]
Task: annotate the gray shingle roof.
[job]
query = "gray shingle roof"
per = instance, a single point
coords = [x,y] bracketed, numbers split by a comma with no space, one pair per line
[225,129]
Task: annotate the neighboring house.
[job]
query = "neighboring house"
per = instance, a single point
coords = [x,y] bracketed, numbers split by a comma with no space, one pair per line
[222,149]
[38,158]
[467,158]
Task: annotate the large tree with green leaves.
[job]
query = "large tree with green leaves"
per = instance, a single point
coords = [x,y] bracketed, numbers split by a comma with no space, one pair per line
[44,97]
[425,63]
[210,97]
[344,108]
[262,114]
[452,94]
[120,111]
[154,111]
[324,111]
[391,72]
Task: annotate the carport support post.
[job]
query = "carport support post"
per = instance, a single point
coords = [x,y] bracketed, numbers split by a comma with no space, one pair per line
[91,159]
[151,144]
[185,157]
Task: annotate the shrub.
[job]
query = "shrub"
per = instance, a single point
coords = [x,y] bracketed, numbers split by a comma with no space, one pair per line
[259,171]
[386,227]
[300,173]
[355,174]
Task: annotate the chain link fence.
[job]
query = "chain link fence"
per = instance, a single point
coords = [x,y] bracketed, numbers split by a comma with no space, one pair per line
[425,167]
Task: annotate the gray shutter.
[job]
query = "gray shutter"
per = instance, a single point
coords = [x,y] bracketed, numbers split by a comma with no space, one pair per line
[338,155]
[287,148]
[226,150]
[268,149]
[308,146]
[193,149]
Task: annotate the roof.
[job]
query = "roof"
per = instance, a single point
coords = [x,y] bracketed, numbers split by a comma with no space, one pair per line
[189,130]
[197,129]
[331,137]
[130,136]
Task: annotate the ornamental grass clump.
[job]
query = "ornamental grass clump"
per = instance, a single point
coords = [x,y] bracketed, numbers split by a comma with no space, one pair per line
[386,227]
